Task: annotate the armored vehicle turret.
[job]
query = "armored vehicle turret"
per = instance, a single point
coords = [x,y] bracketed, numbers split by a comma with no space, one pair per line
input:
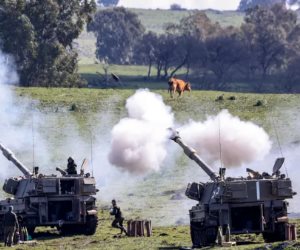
[253,204]
[66,201]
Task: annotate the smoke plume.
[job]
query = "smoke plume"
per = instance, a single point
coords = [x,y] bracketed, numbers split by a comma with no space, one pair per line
[18,122]
[224,136]
[139,140]
[10,126]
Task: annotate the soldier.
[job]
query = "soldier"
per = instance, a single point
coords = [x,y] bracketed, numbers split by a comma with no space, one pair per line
[10,225]
[118,221]
[71,168]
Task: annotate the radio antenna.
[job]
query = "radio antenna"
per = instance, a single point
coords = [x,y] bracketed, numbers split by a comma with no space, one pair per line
[32,133]
[91,133]
[220,143]
[278,141]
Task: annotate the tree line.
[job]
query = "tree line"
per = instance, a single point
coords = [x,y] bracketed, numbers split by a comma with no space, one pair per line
[40,35]
[264,48]
[247,4]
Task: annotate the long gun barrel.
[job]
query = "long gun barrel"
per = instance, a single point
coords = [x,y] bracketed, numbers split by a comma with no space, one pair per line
[11,157]
[191,153]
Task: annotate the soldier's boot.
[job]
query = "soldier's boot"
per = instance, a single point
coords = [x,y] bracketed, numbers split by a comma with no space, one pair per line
[124,230]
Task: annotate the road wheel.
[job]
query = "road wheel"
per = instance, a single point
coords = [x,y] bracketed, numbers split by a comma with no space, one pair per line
[280,231]
[202,236]
[91,224]
[211,235]
[269,237]
[277,235]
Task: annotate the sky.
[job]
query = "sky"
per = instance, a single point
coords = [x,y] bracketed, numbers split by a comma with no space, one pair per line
[189,4]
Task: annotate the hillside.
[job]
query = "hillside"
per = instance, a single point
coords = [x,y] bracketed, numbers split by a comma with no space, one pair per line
[155,20]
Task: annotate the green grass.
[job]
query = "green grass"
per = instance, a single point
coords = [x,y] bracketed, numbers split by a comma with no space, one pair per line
[173,236]
[124,70]
[131,76]
[48,238]
[280,111]
[196,105]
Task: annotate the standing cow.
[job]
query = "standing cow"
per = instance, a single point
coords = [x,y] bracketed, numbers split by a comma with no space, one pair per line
[178,85]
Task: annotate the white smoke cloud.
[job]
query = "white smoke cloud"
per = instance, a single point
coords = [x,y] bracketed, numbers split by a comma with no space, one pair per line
[138,141]
[10,131]
[239,142]
[8,73]
[8,76]
[292,158]
[18,122]
[149,107]
[188,4]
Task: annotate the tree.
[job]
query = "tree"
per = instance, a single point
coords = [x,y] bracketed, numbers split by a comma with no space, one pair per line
[164,54]
[144,51]
[176,6]
[41,40]
[108,3]
[271,37]
[292,2]
[117,31]
[188,40]
[248,4]
[292,75]
[266,38]
[20,41]
[224,51]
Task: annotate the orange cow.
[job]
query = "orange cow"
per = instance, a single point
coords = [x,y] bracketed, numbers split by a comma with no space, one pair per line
[178,85]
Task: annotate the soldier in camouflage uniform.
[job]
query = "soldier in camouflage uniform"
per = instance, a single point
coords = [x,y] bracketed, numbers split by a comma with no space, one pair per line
[10,226]
[118,221]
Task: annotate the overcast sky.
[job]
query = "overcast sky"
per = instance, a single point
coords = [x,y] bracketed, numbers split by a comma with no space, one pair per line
[189,4]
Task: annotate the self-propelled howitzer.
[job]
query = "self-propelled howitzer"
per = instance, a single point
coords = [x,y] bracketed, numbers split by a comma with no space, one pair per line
[67,202]
[253,204]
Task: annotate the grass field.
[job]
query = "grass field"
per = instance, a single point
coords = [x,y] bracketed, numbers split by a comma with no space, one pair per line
[101,109]
[95,100]
[131,76]
[162,238]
